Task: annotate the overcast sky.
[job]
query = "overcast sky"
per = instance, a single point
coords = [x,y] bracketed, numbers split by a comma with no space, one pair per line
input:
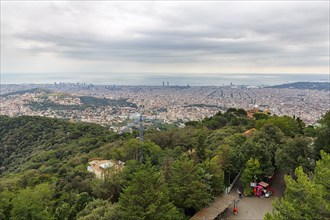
[165,37]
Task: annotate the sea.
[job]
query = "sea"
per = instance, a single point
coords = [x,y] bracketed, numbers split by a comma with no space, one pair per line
[178,79]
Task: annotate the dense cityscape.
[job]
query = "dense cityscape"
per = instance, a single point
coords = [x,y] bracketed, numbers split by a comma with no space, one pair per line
[162,104]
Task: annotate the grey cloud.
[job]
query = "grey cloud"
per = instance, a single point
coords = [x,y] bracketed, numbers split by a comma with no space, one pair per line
[155,47]
[265,34]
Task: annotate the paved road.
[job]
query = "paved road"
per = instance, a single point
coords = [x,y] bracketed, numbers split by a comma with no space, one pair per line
[253,208]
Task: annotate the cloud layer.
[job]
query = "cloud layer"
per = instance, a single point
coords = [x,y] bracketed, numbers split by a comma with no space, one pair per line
[165,37]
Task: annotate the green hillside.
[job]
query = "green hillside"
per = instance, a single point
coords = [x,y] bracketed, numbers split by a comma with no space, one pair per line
[170,175]
[38,143]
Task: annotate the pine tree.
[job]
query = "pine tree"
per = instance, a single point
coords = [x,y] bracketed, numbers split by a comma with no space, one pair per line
[322,177]
[187,185]
[146,197]
[303,200]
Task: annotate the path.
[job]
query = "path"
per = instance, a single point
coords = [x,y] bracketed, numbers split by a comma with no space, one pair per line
[254,208]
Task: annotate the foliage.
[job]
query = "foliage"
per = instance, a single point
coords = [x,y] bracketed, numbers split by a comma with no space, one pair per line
[187,186]
[296,152]
[260,116]
[303,199]
[261,151]
[233,117]
[322,141]
[146,197]
[110,187]
[322,174]
[172,173]
[186,137]
[99,210]
[5,203]
[134,149]
[289,126]
[33,203]
[89,100]
[214,171]
[251,172]
[35,142]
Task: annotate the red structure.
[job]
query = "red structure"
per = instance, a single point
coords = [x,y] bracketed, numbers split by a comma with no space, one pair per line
[263,189]
[235,209]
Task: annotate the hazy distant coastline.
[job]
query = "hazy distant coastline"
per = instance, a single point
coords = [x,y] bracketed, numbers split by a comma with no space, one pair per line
[158,79]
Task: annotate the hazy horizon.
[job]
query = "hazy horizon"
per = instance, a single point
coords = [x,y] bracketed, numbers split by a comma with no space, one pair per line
[147,79]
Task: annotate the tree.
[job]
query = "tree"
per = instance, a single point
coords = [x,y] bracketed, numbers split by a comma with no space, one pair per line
[297,152]
[271,133]
[241,112]
[33,203]
[303,200]
[260,116]
[230,153]
[322,141]
[214,171]
[310,131]
[99,210]
[215,122]
[289,126]
[81,200]
[322,174]
[230,135]
[200,147]
[260,150]
[134,149]
[110,187]
[231,162]
[301,125]
[5,203]
[62,211]
[193,123]
[187,187]
[146,197]
[184,137]
[251,172]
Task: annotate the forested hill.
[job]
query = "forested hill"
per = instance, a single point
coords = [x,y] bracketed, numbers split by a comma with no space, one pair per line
[44,143]
[170,175]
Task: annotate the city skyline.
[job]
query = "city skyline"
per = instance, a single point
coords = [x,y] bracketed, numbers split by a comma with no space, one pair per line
[72,39]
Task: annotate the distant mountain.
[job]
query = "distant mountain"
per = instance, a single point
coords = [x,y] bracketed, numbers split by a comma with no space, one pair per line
[304,85]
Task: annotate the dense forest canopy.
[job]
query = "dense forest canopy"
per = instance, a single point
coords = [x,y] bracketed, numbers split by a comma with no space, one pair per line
[171,174]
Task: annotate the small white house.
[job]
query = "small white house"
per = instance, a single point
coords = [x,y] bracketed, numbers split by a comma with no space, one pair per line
[100,167]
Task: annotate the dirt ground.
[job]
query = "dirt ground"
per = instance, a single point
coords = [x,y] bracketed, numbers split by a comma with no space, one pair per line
[254,208]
